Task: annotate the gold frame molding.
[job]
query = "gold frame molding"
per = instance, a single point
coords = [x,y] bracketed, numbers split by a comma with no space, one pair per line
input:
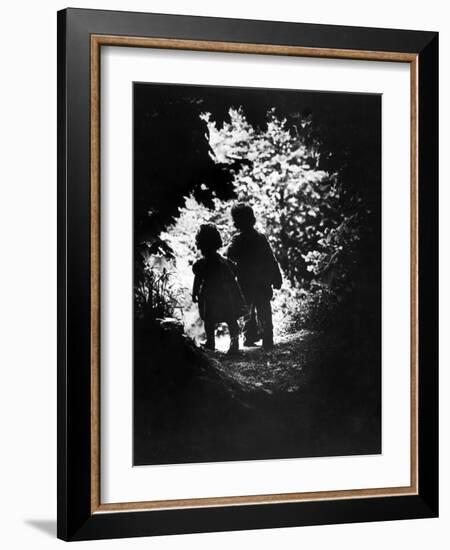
[97,41]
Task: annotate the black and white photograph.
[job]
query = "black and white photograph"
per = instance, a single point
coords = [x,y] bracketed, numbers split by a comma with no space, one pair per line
[224,285]
[257,273]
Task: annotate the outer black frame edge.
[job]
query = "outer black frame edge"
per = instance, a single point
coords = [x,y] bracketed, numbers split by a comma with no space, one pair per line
[250,31]
[428,121]
[73,276]
[61,250]
[238,518]
[75,521]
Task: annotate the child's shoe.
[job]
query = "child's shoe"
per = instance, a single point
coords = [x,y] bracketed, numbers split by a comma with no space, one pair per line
[268,342]
[234,345]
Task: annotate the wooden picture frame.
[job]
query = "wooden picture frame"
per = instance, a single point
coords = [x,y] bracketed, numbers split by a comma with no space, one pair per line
[81,35]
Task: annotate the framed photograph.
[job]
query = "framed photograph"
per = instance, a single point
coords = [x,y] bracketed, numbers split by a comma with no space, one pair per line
[247,255]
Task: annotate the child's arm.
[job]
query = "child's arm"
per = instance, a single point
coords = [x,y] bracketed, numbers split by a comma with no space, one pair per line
[196,288]
[196,268]
[232,250]
[277,278]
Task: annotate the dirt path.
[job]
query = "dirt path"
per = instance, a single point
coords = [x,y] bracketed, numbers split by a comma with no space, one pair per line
[283,369]
[309,396]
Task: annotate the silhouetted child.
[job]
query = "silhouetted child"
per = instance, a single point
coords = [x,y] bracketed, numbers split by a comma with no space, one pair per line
[257,273]
[215,288]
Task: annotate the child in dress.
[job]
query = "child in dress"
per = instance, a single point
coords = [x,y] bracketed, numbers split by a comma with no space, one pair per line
[215,288]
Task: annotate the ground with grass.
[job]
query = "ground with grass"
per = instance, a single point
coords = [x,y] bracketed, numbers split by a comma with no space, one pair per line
[306,397]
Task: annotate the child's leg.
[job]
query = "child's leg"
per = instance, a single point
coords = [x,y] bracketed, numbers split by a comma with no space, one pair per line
[210,335]
[251,327]
[264,311]
[233,329]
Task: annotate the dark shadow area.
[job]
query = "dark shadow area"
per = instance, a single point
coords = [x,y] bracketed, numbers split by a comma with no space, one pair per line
[316,394]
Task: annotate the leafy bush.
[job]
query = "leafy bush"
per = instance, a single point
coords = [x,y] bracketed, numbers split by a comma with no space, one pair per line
[156,292]
[297,205]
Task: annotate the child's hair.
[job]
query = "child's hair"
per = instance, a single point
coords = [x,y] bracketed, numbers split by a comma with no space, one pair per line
[208,238]
[243,216]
